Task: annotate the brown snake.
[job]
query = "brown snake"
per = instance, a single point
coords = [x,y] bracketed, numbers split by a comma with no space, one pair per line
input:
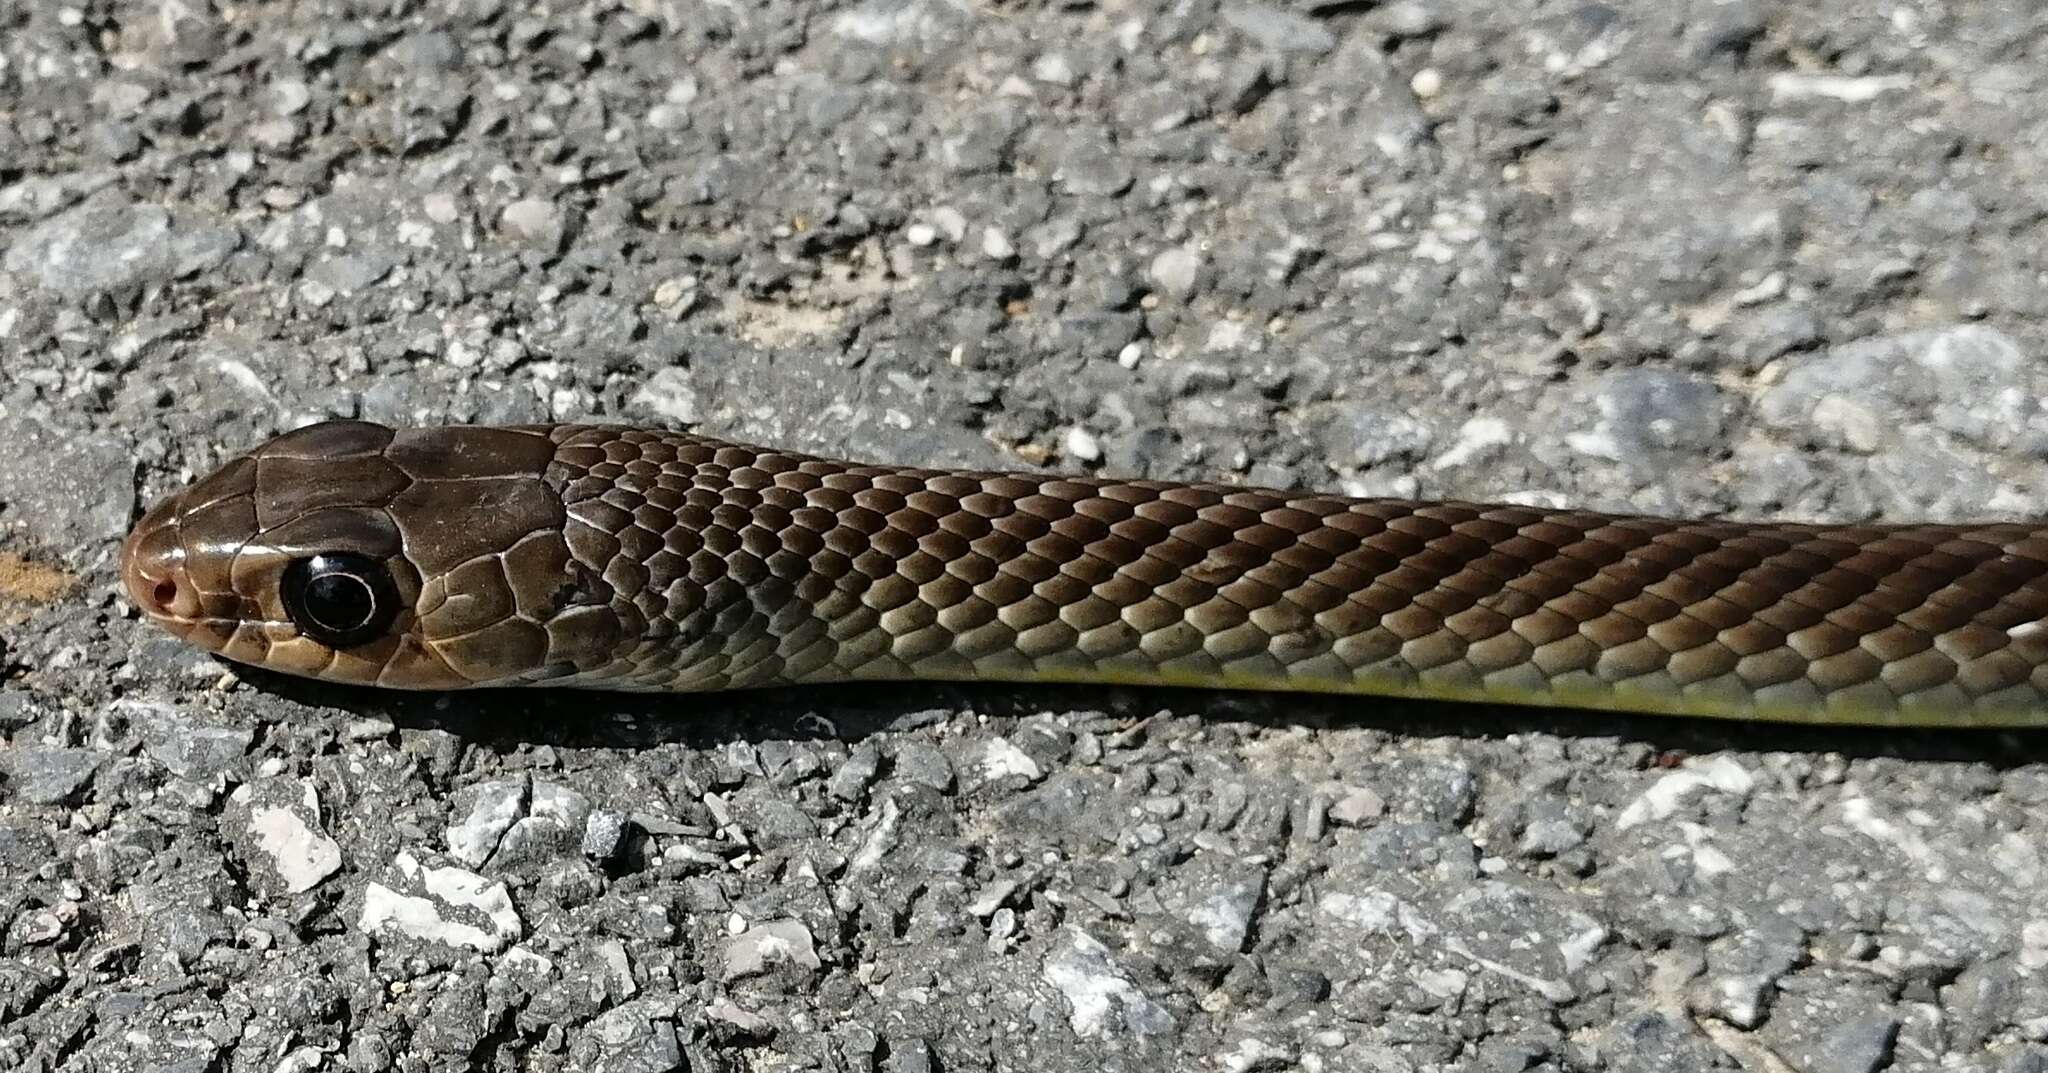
[637,559]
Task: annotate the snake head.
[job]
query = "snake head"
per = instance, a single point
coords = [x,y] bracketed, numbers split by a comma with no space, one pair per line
[327,552]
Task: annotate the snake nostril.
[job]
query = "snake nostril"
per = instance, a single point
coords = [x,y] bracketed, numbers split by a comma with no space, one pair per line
[164,595]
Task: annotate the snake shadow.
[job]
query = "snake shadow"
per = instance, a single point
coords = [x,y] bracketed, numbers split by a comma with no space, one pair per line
[585,719]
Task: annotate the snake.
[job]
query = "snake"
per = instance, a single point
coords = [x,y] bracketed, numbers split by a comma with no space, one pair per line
[620,557]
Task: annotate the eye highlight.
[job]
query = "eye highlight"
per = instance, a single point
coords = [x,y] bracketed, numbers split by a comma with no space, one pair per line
[340,599]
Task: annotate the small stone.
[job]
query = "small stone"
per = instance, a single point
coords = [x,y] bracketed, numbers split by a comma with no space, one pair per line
[992,898]
[1053,68]
[743,1019]
[105,245]
[276,822]
[1426,83]
[1743,969]
[1223,909]
[918,762]
[1526,933]
[428,918]
[317,294]
[1654,1040]
[199,752]
[537,221]
[1175,270]
[1408,18]
[290,97]
[492,808]
[1969,359]
[1090,166]
[433,50]
[1549,830]
[1278,29]
[368,1052]
[1102,1001]
[1971,376]
[1130,355]
[274,133]
[1081,445]
[666,116]
[670,395]
[1253,1055]
[441,208]
[921,234]
[1945,212]
[995,245]
[554,824]
[1860,1045]
[604,834]
[910,1056]
[1657,409]
[301,855]
[1002,760]
[44,926]
[16,710]
[1790,85]
[65,487]
[853,777]
[1674,790]
[673,293]
[121,98]
[772,820]
[351,273]
[1939,935]
[368,728]
[619,966]
[1479,439]
[631,1038]
[1357,808]
[1429,788]
[50,776]
[950,222]
[1053,237]
[1854,425]
[766,947]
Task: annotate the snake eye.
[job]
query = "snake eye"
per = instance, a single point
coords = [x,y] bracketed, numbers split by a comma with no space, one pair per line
[339,599]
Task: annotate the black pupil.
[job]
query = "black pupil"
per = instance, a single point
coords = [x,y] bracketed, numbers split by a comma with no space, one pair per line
[340,601]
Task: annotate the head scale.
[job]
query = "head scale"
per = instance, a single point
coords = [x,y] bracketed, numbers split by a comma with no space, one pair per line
[353,552]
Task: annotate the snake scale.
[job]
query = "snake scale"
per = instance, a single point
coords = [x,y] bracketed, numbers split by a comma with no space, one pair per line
[625,558]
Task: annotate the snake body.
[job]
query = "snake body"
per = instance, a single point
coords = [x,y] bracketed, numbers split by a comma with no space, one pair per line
[640,559]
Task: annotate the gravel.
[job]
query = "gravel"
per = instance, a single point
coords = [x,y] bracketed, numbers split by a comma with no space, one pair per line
[1729,259]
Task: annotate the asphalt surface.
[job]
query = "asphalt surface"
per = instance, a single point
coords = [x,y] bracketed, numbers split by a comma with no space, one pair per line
[1732,258]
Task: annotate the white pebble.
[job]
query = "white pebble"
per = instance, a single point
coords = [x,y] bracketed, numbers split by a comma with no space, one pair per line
[292,96]
[1175,270]
[1131,355]
[995,245]
[531,218]
[950,222]
[921,234]
[673,291]
[1427,83]
[440,207]
[1081,444]
[1054,68]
